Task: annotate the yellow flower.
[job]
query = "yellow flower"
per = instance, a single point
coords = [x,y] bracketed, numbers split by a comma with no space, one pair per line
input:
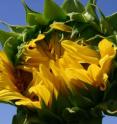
[54,66]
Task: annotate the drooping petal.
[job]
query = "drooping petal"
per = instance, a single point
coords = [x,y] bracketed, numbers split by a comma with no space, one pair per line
[58,74]
[7,80]
[106,48]
[29,103]
[106,63]
[78,74]
[82,53]
[68,61]
[42,92]
[7,95]
[98,76]
[61,26]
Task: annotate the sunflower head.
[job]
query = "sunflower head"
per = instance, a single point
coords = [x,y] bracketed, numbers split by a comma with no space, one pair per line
[62,64]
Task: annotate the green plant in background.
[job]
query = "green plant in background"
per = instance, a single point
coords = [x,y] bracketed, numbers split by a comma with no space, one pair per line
[61,67]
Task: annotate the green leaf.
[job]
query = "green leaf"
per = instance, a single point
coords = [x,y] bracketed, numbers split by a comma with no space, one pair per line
[72,115]
[36,19]
[73,6]
[109,107]
[32,17]
[53,12]
[113,20]
[81,17]
[30,33]
[112,91]
[20,29]
[93,41]
[80,99]
[77,17]
[5,35]
[113,38]
[91,8]
[88,33]
[10,47]
[104,25]
[95,93]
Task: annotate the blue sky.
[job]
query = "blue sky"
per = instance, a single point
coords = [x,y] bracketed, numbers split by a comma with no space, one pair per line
[12,12]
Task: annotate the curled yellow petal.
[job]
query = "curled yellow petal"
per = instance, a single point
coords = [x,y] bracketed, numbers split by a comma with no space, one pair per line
[98,76]
[29,103]
[61,26]
[82,53]
[42,92]
[106,48]
[7,95]
[78,74]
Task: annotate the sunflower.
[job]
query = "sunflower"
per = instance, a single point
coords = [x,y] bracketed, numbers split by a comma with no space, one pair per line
[46,67]
[60,66]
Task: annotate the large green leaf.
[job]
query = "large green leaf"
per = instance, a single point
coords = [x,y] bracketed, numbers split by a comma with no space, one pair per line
[52,11]
[34,18]
[73,6]
[81,17]
[91,8]
[113,20]
[105,27]
[88,33]
[113,38]
[23,116]
[27,32]
[10,47]
[5,35]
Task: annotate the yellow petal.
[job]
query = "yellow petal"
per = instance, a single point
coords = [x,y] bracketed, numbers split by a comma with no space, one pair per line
[55,46]
[32,43]
[40,37]
[34,56]
[42,85]
[106,48]
[58,81]
[68,61]
[82,53]
[61,26]
[49,79]
[78,74]
[7,79]
[4,57]
[42,92]
[106,63]
[94,72]
[29,103]
[98,76]
[7,95]
[6,82]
